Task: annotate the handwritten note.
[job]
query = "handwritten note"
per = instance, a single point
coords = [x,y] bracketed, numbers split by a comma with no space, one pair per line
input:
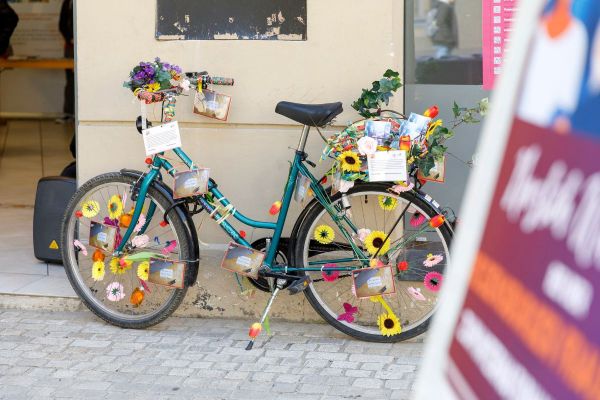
[162,138]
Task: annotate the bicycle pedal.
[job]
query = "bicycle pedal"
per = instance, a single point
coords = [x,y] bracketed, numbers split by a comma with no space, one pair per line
[299,285]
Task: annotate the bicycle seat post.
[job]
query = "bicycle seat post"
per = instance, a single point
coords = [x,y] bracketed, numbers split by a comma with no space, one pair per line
[303,138]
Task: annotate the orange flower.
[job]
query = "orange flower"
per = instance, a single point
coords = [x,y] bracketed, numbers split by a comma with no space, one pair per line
[437,221]
[255,330]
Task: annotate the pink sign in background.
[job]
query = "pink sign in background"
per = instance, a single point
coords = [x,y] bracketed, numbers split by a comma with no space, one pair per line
[497,25]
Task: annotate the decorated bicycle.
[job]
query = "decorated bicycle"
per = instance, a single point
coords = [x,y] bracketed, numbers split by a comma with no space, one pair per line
[368,251]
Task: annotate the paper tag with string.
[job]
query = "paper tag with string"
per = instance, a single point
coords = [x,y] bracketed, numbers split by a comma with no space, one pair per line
[143,112]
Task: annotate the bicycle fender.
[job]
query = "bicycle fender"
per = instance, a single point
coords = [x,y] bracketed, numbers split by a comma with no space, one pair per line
[191,271]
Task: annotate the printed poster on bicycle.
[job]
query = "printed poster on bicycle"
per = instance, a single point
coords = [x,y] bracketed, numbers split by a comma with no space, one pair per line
[529,326]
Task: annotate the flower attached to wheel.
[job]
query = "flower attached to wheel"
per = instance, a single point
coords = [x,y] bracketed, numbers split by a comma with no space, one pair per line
[401,187]
[324,234]
[349,161]
[329,272]
[119,266]
[98,271]
[389,325]
[115,207]
[417,219]
[90,208]
[433,281]
[115,292]
[143,270]
[387,203]
[375,243]
[432,260]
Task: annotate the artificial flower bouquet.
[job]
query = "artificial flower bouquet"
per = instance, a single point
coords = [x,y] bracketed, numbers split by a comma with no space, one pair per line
[154,77]
[421,137]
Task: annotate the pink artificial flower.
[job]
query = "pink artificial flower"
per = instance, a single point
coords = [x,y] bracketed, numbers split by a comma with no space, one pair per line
[416,293]
[140,241]
[140,224]
[330,276]
[433,260]
[417,219]
[169,247]
[367,145]
[80,246]
[362,234]
[433,281]
[402,188]
[115,292]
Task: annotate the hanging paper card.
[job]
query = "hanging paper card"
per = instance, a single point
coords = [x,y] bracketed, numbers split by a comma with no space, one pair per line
[212,104]
[190,183]
[415,126]
[436,174]
[373,281]
[167,272]
[378,130]
[302,185]
[162,138]
[102,236]
[242,260]
[387,166]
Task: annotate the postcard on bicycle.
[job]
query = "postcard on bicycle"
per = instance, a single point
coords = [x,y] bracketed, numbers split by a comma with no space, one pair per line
[190,183]
[102,236]
[162,138]
[371,282]
[243,260]
[167,272]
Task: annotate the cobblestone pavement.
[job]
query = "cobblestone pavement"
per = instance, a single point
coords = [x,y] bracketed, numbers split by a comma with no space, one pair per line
[74,355]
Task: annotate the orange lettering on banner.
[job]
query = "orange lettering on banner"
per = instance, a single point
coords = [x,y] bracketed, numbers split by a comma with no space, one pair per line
[556,343]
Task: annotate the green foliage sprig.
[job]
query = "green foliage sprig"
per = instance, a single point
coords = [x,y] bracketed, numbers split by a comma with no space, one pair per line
[370,101]
[435,149]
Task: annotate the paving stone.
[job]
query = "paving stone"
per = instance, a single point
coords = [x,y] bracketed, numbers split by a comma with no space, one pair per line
[46,355]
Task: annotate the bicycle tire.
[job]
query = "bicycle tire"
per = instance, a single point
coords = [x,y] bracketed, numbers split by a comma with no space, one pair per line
[74,274]
[312,213]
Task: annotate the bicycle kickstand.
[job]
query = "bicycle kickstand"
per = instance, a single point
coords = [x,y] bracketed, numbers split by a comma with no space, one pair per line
[256,327]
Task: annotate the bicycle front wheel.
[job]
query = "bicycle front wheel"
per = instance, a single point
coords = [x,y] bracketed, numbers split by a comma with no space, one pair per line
[416,253]
[113,288]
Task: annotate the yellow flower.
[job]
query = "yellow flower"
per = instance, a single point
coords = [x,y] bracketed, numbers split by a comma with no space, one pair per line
[143,270]
[153,87]
[432,127]
[387,203]
[389,325]
[115,207]
[98,271]
[349,161]
[119,267]
[324,234]
[374,242]
[90,208]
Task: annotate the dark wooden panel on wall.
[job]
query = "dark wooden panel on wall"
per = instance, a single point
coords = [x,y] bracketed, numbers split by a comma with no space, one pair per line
[231,19]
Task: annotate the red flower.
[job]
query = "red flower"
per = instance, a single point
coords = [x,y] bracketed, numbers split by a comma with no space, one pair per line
[402,266]
[432,112]
[255,330]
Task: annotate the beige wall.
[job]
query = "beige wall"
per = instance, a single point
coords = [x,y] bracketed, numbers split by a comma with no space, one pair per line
[350,44]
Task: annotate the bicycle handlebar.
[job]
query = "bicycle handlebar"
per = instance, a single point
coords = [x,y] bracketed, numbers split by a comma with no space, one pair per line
[195,77]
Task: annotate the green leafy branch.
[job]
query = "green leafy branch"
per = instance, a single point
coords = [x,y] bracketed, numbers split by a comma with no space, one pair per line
[370,101]
[425,158]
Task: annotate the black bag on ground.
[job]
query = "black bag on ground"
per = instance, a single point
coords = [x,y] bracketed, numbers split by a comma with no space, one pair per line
[51,200]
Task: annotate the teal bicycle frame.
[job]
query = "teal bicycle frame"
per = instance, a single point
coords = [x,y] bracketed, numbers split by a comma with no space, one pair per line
[219,214]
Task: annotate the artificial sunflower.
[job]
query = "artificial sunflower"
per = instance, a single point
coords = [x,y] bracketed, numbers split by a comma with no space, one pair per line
[90,208]
[389,325]
[119,266]
[375,242]
[98,271]
[153,87]
[324,234]
[143,270]
[349,161]
[115,207]
[387,203]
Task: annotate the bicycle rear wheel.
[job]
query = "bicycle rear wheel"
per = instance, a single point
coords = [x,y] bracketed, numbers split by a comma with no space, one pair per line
[116,290]
[418,264]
